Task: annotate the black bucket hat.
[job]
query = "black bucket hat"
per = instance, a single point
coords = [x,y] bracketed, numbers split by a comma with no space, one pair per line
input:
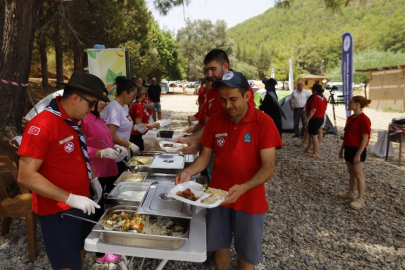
[317,87]
[88,84]
[270,81]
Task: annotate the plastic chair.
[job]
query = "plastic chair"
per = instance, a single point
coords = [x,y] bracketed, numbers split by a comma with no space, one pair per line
[18,206]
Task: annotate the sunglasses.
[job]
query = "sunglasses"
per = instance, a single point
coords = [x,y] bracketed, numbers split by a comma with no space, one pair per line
[91,103]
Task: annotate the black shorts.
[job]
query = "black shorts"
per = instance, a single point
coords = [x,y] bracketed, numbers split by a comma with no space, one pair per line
[314,125]
[350,152]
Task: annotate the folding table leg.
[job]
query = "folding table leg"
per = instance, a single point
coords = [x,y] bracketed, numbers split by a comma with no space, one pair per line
[124,262]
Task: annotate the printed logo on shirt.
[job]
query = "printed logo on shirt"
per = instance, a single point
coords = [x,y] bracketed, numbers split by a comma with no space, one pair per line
[34,130]
[221,135]
[220,141]
[66,140]
[247,138]
[69,147]
[210,103]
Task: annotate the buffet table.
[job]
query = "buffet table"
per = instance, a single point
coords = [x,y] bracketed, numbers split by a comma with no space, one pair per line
[194,249]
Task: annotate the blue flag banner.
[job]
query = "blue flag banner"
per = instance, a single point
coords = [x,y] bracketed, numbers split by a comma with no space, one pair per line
[347,69]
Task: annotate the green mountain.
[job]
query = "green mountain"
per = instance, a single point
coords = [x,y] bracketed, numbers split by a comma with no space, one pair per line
[311,35]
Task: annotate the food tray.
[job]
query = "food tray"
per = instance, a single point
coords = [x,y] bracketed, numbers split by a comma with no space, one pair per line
[129,193]
[158,203]
[135,239]
[140,161]
[171,147]
[167,161]
[130,177]
[160,178]
[197,189]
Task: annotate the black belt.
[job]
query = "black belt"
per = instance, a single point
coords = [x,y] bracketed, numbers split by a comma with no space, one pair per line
[300,108]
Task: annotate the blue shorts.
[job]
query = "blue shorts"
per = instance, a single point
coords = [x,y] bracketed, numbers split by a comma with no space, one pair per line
[157,107]
[246,229]
[64,238]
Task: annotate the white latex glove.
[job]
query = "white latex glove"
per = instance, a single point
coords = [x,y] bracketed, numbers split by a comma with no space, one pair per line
[98,190]
[140,128]
[83,203]
[109,153]
[134,149]
[121,149]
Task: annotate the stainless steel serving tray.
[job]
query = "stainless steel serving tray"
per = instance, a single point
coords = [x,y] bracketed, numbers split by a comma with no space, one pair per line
[167,161]
[131,177]
[127,193]
[135,239]
[157,203]
[165,178]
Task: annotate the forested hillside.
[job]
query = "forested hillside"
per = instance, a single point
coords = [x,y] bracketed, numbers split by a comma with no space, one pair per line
[308,33]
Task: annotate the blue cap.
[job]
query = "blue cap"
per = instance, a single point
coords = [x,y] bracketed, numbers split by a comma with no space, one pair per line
[232,79]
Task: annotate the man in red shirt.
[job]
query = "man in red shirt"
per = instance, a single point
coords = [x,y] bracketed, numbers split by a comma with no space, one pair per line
[216,64]
[243,140]
[54,165]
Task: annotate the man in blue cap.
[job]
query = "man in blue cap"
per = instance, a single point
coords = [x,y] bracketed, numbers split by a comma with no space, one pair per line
[243,140]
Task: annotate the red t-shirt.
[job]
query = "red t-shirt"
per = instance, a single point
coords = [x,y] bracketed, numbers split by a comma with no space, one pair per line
[355,127]
[319,103]
[237,154]
[147,100]
[215,104]
[49,138]
[202,95]
[203,113]
[137,110]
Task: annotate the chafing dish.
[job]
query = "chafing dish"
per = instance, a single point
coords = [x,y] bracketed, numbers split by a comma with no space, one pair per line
[133,238]
[156,202]
[129,193]
[127,177]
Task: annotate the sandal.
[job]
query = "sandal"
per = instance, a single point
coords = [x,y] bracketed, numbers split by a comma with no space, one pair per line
[109,258]
[299,144]
[356,204]
[345,196]
[312,155]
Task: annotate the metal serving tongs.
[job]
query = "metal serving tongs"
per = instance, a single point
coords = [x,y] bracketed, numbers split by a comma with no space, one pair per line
[92,221]
[133,169]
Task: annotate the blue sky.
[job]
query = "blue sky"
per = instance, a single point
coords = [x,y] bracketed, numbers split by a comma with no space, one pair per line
[231,11]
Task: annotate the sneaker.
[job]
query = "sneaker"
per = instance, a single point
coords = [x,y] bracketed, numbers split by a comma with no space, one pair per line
[109,258]
[356,204]
[346,196]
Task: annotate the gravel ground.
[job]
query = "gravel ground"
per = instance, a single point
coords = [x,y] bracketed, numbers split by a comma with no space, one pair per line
[307,227]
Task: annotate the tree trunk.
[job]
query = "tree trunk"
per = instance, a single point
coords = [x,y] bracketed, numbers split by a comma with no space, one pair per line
[17,21]
[44,61]
[78,58]
[58,50]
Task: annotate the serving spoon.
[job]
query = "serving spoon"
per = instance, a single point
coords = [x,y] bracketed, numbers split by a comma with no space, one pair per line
[133,169]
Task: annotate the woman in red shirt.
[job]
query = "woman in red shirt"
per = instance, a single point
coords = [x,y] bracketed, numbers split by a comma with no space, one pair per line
[140,115]
[316,108]
[353,149]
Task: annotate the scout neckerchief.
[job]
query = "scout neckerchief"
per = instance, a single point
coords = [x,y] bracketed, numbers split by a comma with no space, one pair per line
[54,108]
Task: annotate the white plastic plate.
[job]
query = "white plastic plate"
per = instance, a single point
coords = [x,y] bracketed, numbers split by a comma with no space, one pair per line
[174,148]
[197,190]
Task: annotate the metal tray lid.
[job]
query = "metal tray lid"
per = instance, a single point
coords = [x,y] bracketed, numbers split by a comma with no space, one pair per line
[129,191]
[167,161]
[157,203]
